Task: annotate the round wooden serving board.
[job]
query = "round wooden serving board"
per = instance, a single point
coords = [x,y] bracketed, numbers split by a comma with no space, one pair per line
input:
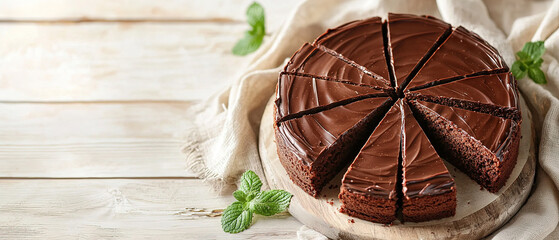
[478,212]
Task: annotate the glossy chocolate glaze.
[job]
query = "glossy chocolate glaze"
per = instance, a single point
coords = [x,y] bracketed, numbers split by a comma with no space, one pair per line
[424,172]
[309,135]
[463,53]
[421,31]
[374,171]
[423,54]
[298,93]
[360,42]
[496,89]
[493,132]
[313,61]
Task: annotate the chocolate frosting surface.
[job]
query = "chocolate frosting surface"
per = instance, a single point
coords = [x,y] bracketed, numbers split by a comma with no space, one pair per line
[493,132]
[360,42]
[298,93]
[463,53]
[314,61]
[496,89]
[404,29]
[320,96]
[424,172]
[375,170]
[309,135]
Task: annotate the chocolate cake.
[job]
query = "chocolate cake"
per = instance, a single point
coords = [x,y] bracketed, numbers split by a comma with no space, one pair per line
[427,187]
[294,97]
[462,54]
[369,187]
[314,62]
[315,147]
[404,29]
[493,94]
[392,99]
[483,146]
[360,44]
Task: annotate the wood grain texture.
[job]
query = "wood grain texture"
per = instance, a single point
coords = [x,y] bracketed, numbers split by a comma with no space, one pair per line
[123,209]
[325,217]
[100,89]
[147,10]
[122,50]
[124,61]
[92,140]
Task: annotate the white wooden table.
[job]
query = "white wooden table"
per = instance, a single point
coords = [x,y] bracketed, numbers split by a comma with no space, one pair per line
[93,96]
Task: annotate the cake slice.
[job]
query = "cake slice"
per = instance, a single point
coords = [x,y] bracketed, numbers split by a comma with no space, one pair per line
[369,187]
[483,146]
[463,53]
[313,62]
[422,31]
[360,43]
[493,94]
[428,189]
[297,95]
[315,147]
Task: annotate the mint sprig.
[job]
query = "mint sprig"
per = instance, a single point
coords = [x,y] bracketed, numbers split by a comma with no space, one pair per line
[250,183]
[238,216]
[271,202]
[529,61]
[253,38]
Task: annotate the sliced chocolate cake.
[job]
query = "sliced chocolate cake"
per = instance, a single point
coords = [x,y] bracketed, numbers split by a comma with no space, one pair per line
[483,146]
[314,62]
[298,94]
[428,189]
[390,99]
[315,147]
[422,31]
[359,43]
[493,94]
[464,53]
[369,187]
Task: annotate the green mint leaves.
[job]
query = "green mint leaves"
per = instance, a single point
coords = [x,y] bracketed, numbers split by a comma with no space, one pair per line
[250,183]
[271,202]
[529,61]
[253,38]
[238,216]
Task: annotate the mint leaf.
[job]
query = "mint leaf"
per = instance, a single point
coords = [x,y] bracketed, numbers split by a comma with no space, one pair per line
[523,56]
[517,71]
[253,38]
[240,196]
[250,182]
[236,218]
[529,62]
[537,75]
[248,44]
[534,49]
[255,15]
[538,63]
[271,202]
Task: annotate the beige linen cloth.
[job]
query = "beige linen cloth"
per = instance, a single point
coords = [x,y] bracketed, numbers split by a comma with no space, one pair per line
[222,142]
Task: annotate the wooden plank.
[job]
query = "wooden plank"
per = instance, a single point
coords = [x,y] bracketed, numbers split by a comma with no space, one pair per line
[180,10]
[123,209]
[97,61]
[93,140]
